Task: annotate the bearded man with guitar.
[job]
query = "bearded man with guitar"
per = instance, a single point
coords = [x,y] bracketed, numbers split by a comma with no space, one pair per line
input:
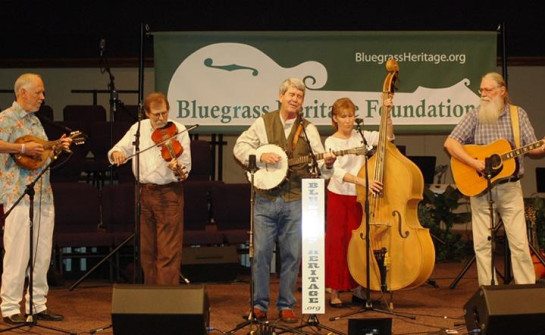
[16,122]
[477,144]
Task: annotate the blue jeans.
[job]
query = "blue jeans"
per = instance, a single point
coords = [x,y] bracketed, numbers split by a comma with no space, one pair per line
[282,220]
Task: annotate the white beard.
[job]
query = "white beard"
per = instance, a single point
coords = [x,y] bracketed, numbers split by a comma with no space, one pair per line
[489,110]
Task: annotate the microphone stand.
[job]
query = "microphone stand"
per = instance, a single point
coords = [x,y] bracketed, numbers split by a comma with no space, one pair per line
[114,97]
[368,302]
[251,319]
[31,319]
[488,169]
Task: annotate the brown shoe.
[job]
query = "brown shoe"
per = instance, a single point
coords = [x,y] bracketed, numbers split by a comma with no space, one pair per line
[288,316]
[259,315]
[15,319]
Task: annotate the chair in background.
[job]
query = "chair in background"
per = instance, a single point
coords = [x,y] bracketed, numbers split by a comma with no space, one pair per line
[126,113]
[86,114]
[201,161]
[103,135]
[67,167]
[124,174]
[118,208]
[77,233]
[47,111]
[197,214]
[231,211]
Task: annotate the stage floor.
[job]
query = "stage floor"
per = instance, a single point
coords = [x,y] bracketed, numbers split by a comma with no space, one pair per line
[433,310]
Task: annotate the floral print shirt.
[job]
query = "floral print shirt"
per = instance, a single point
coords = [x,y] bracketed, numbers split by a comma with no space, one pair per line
[14,123]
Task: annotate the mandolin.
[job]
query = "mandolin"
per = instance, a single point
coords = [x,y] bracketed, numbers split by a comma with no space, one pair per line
[50,147]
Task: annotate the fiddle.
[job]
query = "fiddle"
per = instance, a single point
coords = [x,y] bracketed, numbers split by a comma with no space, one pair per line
[171,148]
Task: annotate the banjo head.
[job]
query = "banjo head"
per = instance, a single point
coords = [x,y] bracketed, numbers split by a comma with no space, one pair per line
[269,176]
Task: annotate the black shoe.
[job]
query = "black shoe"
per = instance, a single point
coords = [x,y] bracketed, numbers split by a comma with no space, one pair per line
[15,319]
[49,316]
[337,305]
[357,300]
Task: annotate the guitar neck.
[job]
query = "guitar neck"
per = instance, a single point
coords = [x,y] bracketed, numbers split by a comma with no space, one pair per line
[306,159]
[522,150]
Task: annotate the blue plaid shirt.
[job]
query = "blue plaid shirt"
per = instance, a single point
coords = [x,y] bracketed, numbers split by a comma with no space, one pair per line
[472,131]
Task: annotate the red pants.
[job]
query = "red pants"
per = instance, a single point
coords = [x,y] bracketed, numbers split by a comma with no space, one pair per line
[344,214]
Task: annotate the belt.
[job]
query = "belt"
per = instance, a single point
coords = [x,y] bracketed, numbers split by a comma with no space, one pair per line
[157,186]
[509,180]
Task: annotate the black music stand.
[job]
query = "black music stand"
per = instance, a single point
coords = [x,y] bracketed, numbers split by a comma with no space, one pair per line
[31,319]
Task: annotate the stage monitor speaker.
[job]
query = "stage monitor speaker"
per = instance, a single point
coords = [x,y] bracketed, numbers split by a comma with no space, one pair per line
[370,326]
[508,309]
[147,309]
[210,264]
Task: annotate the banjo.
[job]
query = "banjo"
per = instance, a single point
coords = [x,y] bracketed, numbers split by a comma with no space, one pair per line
[269,176]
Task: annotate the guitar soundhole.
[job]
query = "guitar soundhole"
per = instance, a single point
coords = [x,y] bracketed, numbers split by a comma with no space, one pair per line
[496,162]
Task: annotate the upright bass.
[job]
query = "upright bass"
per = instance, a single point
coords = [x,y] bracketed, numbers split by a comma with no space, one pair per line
[401,251]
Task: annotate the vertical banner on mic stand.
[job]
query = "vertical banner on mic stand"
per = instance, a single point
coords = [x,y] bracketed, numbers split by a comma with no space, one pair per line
[313,257]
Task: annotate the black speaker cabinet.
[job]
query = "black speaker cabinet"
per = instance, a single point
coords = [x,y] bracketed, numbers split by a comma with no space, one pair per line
[366,326]
[210,264]
[508,309]
[147,309]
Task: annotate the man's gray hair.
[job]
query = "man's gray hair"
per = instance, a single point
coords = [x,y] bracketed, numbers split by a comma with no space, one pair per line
[23,81]
[292,82]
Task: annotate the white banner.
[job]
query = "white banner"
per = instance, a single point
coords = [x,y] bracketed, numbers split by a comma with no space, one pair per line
[313,260]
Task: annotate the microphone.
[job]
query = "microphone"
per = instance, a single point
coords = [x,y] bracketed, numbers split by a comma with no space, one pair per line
[359,120]
[252,165]
[102,46]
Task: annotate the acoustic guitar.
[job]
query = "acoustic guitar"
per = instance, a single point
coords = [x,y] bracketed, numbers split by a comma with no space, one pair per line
[471,182]
[269,176]
[34,162]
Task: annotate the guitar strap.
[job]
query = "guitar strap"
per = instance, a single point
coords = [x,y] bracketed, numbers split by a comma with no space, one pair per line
[296,136]
[515,124]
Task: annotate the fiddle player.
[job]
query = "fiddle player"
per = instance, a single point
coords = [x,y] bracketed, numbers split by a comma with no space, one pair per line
[344,213]
[17,121]
[162,193]
[278,211]
[491,121]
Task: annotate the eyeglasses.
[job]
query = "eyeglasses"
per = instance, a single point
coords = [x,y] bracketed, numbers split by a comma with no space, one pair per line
[487,90]
[156,115]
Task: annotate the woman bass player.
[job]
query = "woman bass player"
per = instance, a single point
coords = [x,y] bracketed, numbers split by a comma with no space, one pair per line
[344,213]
